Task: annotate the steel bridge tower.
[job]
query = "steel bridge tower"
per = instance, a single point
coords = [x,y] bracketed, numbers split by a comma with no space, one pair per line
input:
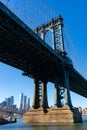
[40,104]
[56,27]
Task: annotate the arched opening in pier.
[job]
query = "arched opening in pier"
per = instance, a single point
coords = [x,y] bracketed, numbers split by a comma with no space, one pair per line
[50,94]
[48,38]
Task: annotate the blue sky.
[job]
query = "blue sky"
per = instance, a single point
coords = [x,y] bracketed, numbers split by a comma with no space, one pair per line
[75,21]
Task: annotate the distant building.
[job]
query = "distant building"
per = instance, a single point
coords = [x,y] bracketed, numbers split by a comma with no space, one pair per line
[9,101]
[8,104]
[21,98]
[24,103]
[3,104]
[12,100]
[84,111]
[28,105]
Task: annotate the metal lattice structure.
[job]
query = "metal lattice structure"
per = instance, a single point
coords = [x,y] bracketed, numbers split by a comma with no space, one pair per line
[55,26]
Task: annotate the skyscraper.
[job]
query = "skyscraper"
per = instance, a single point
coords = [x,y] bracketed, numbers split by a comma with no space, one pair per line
[21,101]
[12,100]
[28,105]
[25,103]
[9,101]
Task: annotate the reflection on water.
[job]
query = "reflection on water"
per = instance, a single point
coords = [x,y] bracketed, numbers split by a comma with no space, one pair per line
[62,126]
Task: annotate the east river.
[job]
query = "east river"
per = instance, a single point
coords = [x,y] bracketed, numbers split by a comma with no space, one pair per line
[70,126]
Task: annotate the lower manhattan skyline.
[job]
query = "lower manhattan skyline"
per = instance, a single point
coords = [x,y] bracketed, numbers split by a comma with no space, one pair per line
[23,102]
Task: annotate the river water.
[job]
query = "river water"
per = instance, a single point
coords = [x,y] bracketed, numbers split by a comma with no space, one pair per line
[70,126]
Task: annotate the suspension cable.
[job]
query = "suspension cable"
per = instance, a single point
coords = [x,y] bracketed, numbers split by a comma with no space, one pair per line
[31,20]
[75,51]
[49,9]
[36,9]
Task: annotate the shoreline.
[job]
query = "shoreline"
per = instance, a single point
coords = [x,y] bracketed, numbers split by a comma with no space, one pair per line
[4,121]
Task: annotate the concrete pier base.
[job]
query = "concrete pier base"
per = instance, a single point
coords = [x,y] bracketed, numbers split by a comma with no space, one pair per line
[52,115]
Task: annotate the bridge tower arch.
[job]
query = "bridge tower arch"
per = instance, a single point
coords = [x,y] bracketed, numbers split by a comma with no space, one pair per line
[55,26]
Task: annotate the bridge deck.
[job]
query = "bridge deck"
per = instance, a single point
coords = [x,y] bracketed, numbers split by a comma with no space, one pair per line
[20,47]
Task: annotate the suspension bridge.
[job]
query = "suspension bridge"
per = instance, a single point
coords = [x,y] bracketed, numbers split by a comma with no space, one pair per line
[26,49]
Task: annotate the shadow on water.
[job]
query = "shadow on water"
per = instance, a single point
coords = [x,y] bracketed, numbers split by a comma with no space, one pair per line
[84,118]
[60,126]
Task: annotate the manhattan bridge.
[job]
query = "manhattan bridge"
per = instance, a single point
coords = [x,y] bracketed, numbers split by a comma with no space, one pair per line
[36,43]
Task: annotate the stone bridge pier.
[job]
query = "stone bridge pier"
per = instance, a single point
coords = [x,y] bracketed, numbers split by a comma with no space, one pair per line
[42,113]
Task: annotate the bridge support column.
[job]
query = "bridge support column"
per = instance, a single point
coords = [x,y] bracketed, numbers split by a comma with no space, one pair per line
[43,35]
[41,32]
[53,38]
[44,100]
[35,104]
[57,96]
[67,89]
